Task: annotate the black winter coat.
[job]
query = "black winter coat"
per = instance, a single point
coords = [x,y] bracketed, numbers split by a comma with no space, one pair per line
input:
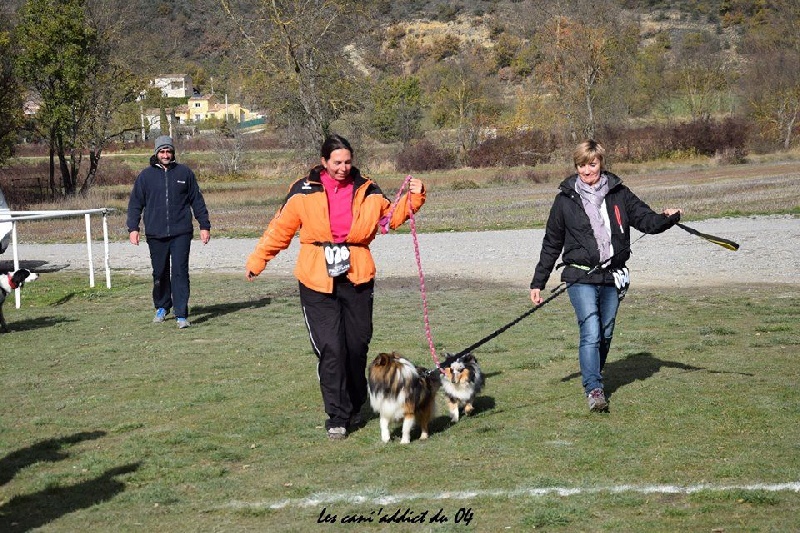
[168,196]
[569,233]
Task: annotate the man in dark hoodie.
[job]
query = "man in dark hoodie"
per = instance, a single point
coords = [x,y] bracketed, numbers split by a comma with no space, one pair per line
[168,194]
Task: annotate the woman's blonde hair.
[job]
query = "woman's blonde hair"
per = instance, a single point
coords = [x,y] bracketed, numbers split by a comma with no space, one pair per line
[587,151]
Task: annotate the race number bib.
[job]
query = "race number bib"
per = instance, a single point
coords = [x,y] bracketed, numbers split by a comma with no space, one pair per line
[622,279]
[337,258]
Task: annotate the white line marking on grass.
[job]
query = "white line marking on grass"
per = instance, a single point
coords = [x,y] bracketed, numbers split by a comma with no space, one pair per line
[386,499]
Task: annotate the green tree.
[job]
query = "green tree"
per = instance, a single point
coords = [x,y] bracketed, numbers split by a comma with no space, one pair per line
[397,108]
[10,97]
[648,76]
[67,61]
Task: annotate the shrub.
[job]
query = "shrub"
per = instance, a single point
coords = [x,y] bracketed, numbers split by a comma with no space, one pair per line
[724,139]
[527,148]
[422,156]
[114,172]
[460,185]
[635,145]
[519,175]
[709,137]
[24,185]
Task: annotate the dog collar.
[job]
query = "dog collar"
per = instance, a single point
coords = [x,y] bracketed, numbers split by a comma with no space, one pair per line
[11,282]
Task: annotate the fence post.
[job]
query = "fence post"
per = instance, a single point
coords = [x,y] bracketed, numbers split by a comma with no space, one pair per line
[17,292]
[88,219]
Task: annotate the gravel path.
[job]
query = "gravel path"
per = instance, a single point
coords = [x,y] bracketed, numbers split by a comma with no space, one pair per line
[769,252]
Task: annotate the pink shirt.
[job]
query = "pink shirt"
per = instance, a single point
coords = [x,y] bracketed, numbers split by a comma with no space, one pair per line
[340,205]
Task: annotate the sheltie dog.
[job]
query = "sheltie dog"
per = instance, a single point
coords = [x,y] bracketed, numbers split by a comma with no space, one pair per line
[462,380]
[10,281]
[399,390]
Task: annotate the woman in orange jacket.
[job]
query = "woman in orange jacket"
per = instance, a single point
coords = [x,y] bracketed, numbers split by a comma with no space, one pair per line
[337,212]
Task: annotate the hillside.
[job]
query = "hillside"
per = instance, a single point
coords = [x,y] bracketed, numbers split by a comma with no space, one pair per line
[196,37]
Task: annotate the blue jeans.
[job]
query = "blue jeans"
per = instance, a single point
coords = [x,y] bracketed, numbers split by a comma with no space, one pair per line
[596,310]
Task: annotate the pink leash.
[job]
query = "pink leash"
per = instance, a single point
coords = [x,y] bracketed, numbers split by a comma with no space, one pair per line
[384,226]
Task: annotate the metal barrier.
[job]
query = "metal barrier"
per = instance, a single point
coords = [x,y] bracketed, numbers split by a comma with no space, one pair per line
[16,216]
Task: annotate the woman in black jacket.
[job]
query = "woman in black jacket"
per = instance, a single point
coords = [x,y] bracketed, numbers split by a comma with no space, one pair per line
[589,225]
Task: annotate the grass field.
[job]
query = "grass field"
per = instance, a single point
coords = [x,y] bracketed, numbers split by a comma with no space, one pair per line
[112,423]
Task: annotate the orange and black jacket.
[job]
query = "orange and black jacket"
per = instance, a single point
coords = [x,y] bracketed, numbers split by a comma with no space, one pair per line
[306,209]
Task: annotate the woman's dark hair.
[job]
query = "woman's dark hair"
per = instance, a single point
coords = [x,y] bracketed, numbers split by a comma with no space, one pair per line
[334,142]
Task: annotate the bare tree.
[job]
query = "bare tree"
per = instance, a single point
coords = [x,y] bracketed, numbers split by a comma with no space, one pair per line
[701,72]
[299,52]
[771,85]
[583,46]
[461,95]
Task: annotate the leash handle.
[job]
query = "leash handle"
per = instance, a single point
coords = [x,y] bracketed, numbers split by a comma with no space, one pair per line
[384,222]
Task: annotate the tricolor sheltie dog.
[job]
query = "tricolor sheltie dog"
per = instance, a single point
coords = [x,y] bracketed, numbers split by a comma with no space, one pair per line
[462,380]
[10,281]
[399,390]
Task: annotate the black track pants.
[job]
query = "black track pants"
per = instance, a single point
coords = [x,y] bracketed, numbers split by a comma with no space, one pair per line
[170,260]
[340,328]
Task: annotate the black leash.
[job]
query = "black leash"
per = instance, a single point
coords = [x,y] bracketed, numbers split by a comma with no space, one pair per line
[562,288]
[558,291]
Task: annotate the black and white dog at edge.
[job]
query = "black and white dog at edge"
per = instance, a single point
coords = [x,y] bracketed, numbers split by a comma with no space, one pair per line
[8,282]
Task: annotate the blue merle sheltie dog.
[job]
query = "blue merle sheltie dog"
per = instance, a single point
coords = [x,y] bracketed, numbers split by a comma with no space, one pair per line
[462,380]
[399,390]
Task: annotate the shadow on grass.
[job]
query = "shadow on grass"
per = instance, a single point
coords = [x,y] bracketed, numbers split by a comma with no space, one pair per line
[482,404]
[438,424]
[638,367]
[36,323]
[203,313]
[25,513]
[49,451]
[37,266]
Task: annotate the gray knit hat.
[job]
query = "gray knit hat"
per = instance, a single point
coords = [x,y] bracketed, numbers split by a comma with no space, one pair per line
[164,141]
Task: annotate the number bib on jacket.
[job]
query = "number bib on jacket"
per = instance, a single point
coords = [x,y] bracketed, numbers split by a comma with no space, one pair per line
[337,258]
[622,279]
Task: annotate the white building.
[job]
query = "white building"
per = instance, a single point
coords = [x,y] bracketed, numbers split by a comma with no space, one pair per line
[175,85]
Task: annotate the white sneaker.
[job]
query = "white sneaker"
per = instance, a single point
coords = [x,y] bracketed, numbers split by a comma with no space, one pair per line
[597,400]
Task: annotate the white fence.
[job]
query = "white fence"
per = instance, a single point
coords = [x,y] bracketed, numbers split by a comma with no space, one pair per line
[16,216]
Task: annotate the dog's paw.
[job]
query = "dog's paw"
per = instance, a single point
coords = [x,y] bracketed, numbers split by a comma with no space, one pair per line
[405,441]
[423,435]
